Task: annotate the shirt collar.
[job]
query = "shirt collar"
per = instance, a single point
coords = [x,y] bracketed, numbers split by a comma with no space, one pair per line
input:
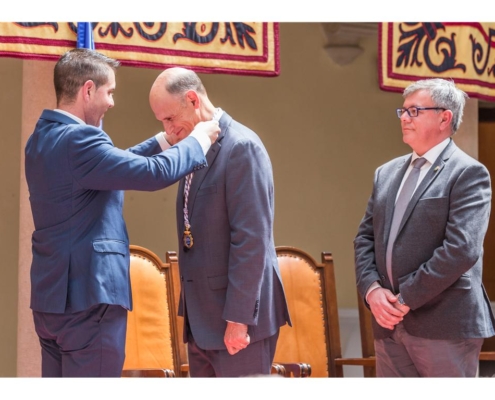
[432,154]
[79,120]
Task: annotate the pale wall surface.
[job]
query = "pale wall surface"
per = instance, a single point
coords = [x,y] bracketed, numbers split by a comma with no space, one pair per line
[326,128]
[10,143]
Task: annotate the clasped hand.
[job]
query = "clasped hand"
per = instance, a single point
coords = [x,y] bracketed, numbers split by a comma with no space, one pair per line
[236,337]
[386,308]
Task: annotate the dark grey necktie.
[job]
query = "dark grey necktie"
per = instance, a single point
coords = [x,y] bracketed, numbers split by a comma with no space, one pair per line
[400,207]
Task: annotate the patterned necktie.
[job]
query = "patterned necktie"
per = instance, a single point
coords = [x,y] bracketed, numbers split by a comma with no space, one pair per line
[400,207]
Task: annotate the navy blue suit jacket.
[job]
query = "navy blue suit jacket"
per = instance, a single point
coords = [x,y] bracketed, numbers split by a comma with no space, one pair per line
[75,177]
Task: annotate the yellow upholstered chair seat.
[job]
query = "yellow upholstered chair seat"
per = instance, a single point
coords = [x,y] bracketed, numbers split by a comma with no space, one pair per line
[149,342]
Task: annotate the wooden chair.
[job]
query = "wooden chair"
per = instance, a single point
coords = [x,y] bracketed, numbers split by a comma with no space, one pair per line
[151,345]
[311,345]
[313,342]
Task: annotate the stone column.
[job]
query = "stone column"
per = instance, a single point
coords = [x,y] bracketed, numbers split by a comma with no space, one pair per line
[37,93]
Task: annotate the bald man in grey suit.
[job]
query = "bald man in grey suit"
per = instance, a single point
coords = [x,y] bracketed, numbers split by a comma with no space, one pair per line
[419,259]
[232,297]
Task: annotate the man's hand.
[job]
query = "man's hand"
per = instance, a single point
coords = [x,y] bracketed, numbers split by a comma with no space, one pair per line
[385,308]
[211,128]
[402,307]
[171,139]
[208,128]
[236,337]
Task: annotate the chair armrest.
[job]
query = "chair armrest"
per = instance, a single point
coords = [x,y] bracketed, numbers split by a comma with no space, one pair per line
[296,370]
[148,373]
[487,356]
[184,370]
[278,369]
[364,361]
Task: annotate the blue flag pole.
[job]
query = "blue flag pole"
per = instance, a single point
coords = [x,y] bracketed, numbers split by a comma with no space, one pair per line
[85,36]
[85,40]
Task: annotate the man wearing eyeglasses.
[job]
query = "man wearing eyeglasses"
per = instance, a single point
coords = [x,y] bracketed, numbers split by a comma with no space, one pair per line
[419,246]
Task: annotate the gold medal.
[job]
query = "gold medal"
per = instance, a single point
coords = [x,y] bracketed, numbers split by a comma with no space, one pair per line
[188,239]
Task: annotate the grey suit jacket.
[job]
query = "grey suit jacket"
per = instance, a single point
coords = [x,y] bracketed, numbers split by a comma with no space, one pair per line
[438,253]
[231,272]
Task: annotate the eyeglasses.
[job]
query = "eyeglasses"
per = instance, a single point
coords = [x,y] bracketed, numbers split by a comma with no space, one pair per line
[414,111]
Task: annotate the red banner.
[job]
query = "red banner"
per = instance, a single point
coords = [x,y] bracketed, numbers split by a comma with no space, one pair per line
[245,48]
[463,52]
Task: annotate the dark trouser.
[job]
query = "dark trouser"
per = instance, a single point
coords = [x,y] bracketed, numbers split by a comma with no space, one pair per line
[89,343]
[403,355]
[255,360]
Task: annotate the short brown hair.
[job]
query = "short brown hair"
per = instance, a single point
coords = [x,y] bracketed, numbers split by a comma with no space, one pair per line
[77,66]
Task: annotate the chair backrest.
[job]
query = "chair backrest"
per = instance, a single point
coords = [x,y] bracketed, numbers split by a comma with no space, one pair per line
[314,337]
[151,342]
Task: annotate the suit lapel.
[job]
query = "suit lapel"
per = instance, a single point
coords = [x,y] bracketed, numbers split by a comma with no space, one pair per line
[394,188]
[430,177]
[212,154]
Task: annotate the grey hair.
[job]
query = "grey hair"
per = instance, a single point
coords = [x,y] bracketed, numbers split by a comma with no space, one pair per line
[182,81]
[444,94]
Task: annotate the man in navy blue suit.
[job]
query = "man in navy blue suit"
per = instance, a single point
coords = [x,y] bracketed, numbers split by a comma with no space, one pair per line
[80,286]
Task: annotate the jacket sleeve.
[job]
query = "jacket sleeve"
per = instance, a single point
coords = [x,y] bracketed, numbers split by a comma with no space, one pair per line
[250,212]
[364,248]
[97,164]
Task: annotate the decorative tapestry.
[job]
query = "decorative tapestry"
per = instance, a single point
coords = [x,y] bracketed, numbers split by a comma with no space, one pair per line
[463,52]
[243,48]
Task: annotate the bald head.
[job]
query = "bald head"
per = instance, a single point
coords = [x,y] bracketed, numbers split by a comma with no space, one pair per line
[177,81]
[179,100]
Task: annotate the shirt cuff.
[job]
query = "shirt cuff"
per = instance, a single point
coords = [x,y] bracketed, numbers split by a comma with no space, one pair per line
[160,137]
[374,285]
[203,139]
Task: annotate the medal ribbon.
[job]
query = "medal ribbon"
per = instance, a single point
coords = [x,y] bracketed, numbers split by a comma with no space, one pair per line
[187,186]
[188,239]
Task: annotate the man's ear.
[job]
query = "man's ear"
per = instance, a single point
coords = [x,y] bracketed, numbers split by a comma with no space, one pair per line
[88,89]
[193,98]
[446,119]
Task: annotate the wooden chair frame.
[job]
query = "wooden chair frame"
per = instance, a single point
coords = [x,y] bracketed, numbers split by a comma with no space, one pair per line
[325,270]
[165,269]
